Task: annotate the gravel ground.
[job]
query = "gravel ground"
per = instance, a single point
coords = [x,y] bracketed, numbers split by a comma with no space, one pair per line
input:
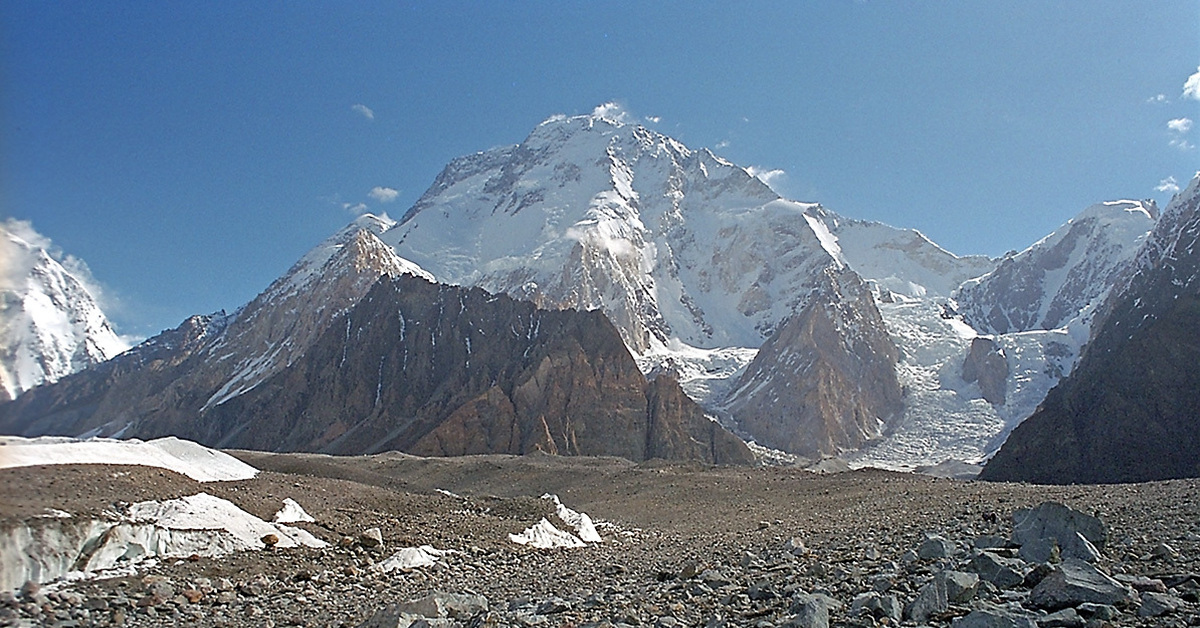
[684,545]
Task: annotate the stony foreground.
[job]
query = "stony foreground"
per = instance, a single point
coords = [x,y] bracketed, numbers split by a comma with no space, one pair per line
[683,546]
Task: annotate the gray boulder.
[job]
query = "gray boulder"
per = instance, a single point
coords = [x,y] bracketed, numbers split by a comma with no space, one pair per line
[934,547]
[1066,618]
[994,618]
[1158,604]
[433,610]
[1000,571]
[878,606]
[1075,582]
[947,587]
[811,611]
[1077,535]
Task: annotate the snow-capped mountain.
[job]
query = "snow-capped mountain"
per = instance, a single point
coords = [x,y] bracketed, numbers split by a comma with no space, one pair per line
[1051,282]
[1128,411]
[685,252]
[699,264]
[50,323]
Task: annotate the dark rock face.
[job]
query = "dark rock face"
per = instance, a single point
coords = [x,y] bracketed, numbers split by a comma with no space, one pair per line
[1128,413]
[987,364]
[438,370]
[825,381]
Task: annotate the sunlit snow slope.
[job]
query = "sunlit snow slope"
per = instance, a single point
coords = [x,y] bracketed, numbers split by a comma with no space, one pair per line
[50,324]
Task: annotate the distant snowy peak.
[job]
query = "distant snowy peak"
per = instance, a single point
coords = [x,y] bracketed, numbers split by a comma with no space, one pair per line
[50,323]
[901,261]
[1060,276]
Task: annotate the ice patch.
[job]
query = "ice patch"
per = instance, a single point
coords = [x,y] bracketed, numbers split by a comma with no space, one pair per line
[580,521]
[545,536]
[411,558]
[292,513]
[181,456]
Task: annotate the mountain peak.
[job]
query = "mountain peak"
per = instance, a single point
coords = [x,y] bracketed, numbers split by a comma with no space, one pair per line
[51,324]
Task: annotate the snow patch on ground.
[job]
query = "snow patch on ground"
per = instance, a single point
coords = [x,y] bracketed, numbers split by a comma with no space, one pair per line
[292,512]
[181,456]
[411,558]
[544,535]
[580,521]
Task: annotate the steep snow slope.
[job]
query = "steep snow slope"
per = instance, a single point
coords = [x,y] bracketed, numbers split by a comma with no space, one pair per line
[50,324]
[1048,284]
[591,213]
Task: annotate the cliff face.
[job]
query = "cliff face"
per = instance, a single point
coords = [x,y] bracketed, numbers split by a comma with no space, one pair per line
[825,381]
[440,370]
[1128,413]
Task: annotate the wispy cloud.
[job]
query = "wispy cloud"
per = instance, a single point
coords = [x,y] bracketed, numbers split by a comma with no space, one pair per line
[722,144]
[1169,185]
[383,195]
[613,111]
[770,177]
[1191,87]
[363,111]
[653,119]
[356,209]
[1180,125]
[1157,99]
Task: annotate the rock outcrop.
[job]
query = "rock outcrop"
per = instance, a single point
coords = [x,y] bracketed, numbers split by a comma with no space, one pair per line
[987,365]
[825,381]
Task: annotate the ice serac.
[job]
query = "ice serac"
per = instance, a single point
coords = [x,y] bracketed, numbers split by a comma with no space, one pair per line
[50,323]
[441,370]
[825,381]
[1128,411]
[210,359]
[1051,282]
[685,252]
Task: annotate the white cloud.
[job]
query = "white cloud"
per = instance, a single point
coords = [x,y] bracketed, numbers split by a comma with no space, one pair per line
[1182,144]
[1169,185]
[1180,125]
[653,119]
[1157,98]
[770,177]
[1191,88]
[357,209]
[722,144]
[383,195]
[614,112]
[363,111]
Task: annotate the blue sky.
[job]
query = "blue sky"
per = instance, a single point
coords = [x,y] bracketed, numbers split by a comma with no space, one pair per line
[191,152]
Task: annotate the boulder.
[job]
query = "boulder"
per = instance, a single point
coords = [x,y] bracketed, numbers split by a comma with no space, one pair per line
[936,596]
[1075,582]
[1076,534]
[1000,571]
[994,618]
